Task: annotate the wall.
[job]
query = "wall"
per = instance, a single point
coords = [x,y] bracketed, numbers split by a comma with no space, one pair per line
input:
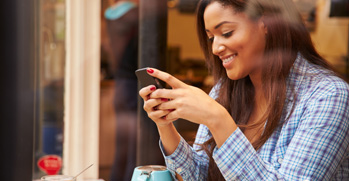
[331,35]
[182,33]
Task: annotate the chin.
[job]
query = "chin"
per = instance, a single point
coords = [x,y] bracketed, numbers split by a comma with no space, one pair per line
[233,76]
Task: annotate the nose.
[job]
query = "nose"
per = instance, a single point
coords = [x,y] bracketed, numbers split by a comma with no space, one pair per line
[217,48]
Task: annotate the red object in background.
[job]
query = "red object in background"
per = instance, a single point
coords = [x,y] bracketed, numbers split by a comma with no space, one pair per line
[50,164]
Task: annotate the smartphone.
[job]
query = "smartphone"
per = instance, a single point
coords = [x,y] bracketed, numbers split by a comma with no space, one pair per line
[145,79]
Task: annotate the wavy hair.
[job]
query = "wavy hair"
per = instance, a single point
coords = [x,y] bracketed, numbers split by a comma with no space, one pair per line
[287,36]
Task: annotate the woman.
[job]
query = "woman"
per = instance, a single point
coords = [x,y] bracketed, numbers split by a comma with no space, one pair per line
[277,111]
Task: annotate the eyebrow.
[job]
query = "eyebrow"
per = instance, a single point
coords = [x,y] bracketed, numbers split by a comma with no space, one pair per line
[220,24]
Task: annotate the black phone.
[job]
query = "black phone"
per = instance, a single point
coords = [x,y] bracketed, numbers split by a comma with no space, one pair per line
[145,79]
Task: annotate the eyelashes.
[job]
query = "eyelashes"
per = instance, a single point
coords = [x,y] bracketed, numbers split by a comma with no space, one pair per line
[225,35]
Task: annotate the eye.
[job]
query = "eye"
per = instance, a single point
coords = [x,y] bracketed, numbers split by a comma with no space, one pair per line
[227,35]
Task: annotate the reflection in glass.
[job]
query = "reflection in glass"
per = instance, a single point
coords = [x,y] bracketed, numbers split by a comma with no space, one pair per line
[50,87]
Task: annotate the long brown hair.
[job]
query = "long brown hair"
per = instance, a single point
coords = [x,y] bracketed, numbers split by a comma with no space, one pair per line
[287,36]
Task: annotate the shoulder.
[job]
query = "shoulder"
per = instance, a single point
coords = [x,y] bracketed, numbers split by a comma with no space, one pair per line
[319,82]
[322,99]
[318,90]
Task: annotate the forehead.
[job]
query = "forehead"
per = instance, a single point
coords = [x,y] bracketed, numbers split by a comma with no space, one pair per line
[216,13]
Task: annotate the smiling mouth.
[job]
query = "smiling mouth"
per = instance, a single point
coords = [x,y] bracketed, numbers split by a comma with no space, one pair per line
[229,59]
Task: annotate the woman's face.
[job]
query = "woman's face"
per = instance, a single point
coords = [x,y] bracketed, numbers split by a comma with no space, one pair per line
[238,41]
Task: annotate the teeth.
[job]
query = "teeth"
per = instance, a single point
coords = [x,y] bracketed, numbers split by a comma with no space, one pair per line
[229,59]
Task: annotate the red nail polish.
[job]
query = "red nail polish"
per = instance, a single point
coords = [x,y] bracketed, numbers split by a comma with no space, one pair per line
[153,88]
[163,99]
[150,71]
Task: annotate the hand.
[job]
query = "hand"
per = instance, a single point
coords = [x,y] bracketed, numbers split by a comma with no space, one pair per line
[151,106]
[185,102]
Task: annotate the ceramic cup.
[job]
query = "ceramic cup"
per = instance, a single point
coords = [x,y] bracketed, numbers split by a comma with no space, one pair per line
[151,173]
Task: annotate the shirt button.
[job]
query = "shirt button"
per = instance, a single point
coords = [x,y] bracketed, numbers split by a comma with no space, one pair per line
[178,170]
[280,160]
[170,161]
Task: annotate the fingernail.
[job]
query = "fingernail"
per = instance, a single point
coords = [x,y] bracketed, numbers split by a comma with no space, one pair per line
[153,88]
[163,99]
[150,71]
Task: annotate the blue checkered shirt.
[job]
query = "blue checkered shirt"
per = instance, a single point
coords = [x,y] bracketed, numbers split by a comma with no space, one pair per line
[311,145]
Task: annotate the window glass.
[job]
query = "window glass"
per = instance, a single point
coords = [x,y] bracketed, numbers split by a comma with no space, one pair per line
[50,87]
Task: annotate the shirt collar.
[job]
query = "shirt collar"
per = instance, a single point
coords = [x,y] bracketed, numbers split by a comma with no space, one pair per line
[295,77]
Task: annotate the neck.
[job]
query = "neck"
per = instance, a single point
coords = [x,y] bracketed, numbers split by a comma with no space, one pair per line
[256,79]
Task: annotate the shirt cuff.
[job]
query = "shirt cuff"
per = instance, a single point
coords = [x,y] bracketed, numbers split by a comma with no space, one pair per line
[233,155]
[178,160]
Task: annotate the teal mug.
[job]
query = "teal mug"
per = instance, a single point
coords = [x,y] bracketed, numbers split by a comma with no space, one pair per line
[151,173]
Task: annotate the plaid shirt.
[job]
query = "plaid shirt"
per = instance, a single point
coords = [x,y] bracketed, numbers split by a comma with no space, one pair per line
[311,145]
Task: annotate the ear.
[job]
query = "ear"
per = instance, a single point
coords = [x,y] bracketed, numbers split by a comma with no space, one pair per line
[262,24]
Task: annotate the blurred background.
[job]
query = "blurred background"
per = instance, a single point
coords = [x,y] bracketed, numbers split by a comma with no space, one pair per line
[185,60]
[80,52]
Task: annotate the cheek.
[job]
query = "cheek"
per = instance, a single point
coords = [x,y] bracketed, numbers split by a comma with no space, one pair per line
[250,47]
[243,44]
[251,44]
[237,42]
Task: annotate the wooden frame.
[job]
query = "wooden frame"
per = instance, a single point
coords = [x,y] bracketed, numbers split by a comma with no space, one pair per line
[81,119]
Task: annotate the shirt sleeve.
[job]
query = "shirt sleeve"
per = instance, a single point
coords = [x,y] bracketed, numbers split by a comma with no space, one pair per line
[318,147]
[189,162]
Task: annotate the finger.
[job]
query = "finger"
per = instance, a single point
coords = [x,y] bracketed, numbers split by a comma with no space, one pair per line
[167,105]
[169,79]
[151,104]
[166,94]
[144,92]
[156,115]
[171,116]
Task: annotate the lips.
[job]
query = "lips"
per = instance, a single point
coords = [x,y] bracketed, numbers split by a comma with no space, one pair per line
[228,59]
